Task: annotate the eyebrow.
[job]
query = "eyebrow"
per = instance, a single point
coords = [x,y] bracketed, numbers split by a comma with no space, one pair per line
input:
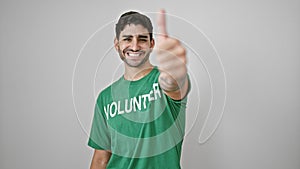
[139,36]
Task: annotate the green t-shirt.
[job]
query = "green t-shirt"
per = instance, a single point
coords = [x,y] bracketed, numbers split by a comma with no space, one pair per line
[143,127]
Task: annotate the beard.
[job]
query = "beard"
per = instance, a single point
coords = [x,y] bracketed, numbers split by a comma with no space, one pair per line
[137,62]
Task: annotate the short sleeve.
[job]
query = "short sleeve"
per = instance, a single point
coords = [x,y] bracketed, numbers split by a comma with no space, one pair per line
[99,135]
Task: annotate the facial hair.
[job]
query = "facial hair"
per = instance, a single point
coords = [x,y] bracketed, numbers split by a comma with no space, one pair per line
[123,57]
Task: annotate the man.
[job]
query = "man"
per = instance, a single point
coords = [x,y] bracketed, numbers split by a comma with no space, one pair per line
[139,119]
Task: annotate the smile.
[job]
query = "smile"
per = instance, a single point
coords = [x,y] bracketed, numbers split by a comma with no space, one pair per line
[134,54]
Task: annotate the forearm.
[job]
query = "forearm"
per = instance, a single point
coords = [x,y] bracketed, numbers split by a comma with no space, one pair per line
[100,159]
[98,165]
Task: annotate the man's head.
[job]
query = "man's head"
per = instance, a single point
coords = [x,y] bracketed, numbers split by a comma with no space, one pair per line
[134,41]
[135,18]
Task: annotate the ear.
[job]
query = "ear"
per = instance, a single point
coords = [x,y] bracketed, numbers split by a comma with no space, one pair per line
[116,44]
[152,43]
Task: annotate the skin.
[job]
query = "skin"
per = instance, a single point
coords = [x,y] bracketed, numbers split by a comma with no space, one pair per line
[100,159]
[134,47]
[171,56]
[135,40]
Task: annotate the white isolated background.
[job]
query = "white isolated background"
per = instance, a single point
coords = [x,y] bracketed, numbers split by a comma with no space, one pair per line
[258,42]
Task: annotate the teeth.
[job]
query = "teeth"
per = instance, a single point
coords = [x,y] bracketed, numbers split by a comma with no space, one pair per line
[134,54]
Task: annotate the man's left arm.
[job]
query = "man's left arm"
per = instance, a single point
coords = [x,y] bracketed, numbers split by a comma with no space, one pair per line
[171,56]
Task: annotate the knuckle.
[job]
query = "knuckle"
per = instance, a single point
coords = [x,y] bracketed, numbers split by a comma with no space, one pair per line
[176,41]
[181,50]
[184,61]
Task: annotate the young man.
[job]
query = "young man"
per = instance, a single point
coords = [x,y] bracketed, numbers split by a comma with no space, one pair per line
[139,120]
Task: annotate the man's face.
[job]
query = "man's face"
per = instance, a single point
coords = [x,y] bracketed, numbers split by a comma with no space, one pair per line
[134,45]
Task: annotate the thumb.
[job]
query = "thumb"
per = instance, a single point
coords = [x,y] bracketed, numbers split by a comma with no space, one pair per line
[161,23]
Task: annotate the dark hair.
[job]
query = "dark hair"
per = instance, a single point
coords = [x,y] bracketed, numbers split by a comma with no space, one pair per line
[135,18]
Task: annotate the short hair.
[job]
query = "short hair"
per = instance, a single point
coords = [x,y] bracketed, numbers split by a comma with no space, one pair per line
[135,18]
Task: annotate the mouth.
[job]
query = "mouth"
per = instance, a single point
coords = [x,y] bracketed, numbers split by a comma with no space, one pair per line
[131,54]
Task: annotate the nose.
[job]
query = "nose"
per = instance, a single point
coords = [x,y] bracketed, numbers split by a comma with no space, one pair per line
[134,44]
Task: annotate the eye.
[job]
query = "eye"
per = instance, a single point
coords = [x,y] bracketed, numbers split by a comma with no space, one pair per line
[126,39]
[143,40]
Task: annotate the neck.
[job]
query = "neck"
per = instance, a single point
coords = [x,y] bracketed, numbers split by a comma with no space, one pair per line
[136,73]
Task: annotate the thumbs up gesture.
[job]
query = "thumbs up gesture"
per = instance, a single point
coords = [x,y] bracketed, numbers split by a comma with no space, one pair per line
[171,56]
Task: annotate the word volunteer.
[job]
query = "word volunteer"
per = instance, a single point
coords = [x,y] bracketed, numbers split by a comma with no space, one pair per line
[135,103]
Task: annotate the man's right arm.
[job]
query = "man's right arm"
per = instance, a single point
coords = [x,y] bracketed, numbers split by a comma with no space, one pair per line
[100,159]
